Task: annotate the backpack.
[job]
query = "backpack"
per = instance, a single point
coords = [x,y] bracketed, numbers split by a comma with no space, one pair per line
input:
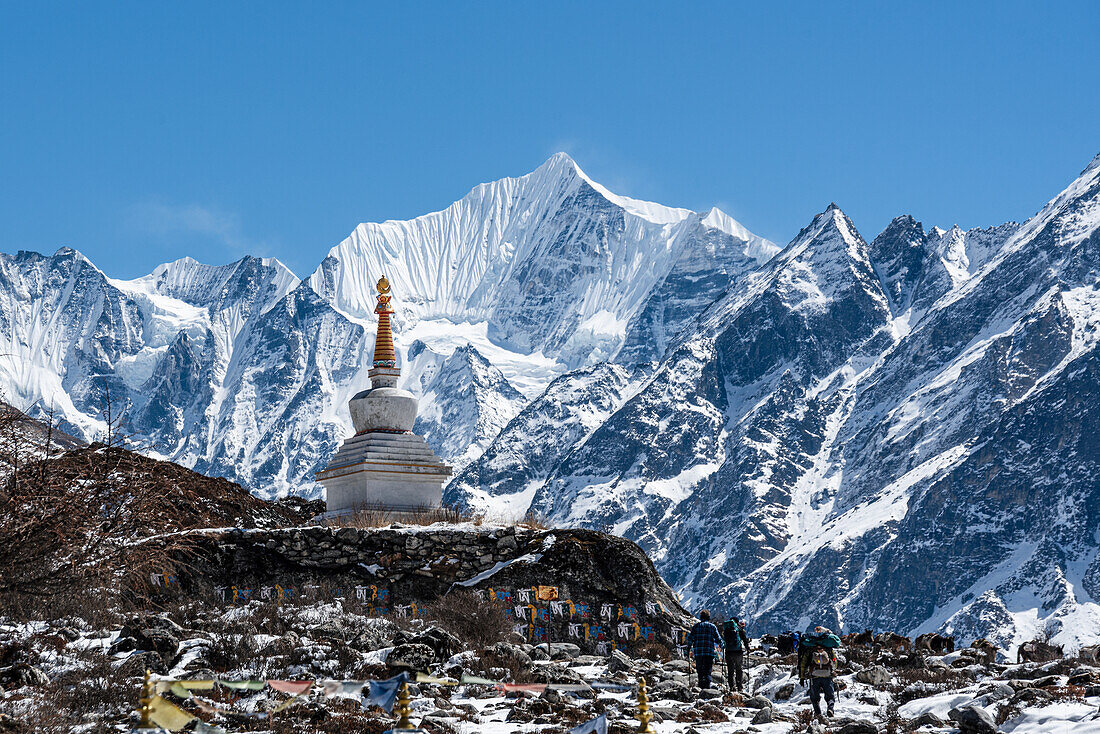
[731,635]
[822,664]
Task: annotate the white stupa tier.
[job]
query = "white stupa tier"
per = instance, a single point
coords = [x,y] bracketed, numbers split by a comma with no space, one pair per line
[384,466]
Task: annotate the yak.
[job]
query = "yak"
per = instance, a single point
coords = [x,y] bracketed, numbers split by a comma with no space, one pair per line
[866,638]
[987,648]
[893,642]
[934,643]
[1037,651]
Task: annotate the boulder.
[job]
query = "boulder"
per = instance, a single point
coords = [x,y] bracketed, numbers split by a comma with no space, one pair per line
[21,674]
[537,653]
[442,643]
[619,662]
[554,673]
[763,716]
[151,633]
[1031,697]
[757,702]
[411,655]
[858,727]
[876,676]
[672,689]
[509,652]
[927,719]
[564,651]
[973,720]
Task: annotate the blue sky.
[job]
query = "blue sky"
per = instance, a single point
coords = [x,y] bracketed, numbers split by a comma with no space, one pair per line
[142,132]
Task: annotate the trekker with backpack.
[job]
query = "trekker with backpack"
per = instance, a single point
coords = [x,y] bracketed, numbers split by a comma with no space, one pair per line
[817,664]
[736,641]
[705,644]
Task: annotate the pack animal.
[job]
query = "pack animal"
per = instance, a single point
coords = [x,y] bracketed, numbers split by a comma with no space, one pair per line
[866,638]
[1037,651]
[934,644]
[892,642]
[987,649]
[1090,654]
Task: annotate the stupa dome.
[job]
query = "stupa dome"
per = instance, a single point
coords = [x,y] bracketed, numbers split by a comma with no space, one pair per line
[388,409]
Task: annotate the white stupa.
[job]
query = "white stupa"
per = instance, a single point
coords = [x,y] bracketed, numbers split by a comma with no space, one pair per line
[384,466]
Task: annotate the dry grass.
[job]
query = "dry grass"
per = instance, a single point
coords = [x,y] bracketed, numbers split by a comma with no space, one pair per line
[914,683]
[367,518]
[654,651]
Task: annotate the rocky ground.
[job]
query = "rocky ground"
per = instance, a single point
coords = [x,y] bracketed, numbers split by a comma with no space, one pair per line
[83,674]
[73,661]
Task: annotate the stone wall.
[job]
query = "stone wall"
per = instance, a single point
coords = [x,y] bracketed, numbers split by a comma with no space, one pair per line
[388,570]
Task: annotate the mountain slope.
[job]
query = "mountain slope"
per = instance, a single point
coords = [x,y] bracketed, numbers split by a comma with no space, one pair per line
[243,371]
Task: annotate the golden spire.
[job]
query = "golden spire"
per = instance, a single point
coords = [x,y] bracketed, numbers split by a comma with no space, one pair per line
[643,716]
[383,341]
[403,708]
[146,701]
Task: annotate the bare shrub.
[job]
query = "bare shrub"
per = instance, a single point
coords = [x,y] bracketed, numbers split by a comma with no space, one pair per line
[502,667]
[654,651]
[67,534]
[469,617]
[914,683]
[231,652]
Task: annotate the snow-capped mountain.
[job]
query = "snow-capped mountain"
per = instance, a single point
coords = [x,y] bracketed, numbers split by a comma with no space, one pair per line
[552,262]
[243,371]
[897,434]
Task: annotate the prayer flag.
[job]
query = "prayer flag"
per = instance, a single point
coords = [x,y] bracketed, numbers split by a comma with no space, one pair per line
[383,693]
[598,725]
[293,687]
[343,688]
[167,715]
[242,685]
[183,688]
[425,678]
[536,688]
[473,679]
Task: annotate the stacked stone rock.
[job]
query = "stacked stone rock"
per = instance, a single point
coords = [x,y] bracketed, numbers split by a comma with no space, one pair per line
[422,564]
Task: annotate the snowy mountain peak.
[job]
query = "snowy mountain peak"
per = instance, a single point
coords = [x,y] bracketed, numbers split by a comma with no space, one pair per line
[551,261]
[1093,165]
[197,283]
